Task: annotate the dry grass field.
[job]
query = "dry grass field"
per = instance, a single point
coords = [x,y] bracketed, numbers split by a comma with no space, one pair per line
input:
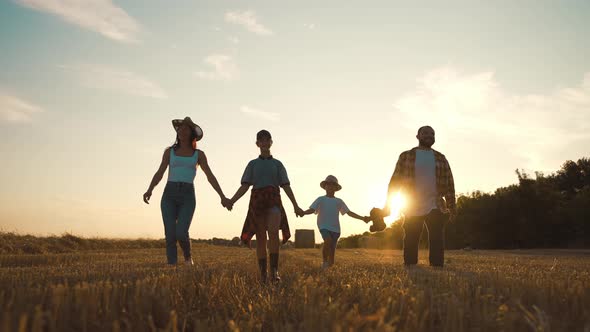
[132,290]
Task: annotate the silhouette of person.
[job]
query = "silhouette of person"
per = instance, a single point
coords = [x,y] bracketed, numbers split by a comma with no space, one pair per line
[266,214]
[425,178]
[178,201]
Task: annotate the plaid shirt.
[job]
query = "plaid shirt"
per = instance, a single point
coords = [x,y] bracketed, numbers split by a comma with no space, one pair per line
[405,173]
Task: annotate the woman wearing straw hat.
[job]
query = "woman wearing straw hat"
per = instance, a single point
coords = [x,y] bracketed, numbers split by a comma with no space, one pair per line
[178,199]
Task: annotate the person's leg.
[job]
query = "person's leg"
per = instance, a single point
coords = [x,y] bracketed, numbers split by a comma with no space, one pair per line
[335,237]
[168,205]
[326,247]
[435,223]
[186,211]
[327,250]
[412,229]
[261,248]
[274,221]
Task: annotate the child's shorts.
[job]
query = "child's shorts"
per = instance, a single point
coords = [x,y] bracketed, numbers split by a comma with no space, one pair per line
[327,234]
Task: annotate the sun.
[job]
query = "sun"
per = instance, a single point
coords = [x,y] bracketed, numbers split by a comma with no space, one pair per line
[396,203]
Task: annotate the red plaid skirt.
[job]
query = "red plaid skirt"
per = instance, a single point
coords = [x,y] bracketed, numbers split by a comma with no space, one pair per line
[261,200]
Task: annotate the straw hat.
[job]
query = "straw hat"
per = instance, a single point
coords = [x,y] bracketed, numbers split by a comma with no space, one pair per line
[330,179]
[198,132]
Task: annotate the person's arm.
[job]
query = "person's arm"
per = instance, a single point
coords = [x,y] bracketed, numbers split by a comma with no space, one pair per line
[247,181]
[313,208]
[241,191]
[158,176]
[286,185]
[356,216]
[395,184]
[289,192]
[450,194]
[308,211]
[211,178]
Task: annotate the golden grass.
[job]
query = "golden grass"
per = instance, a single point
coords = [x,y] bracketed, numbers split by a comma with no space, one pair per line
[366,290]
[12,243]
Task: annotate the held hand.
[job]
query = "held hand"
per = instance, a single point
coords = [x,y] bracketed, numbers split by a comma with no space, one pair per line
[452,214]
[227,203]
[367,219]
[299,212]
[147,196]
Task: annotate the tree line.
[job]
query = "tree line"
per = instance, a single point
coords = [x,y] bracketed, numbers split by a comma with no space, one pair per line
[540,211]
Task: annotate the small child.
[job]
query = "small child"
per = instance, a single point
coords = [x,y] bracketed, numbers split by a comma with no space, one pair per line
[327,208]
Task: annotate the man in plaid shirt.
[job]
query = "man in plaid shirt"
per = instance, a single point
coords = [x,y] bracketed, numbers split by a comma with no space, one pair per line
[424,176]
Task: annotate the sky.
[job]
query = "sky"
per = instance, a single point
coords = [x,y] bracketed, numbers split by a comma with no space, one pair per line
[88,90]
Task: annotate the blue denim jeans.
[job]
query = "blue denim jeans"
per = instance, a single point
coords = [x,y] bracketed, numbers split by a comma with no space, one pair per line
[178,206]
[327,234]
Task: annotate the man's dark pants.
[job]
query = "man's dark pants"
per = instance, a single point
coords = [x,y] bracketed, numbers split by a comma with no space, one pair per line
[435,226]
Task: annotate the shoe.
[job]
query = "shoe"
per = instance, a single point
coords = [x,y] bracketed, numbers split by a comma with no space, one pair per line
[189,262]
[262,267]
[274,275]
[325,265]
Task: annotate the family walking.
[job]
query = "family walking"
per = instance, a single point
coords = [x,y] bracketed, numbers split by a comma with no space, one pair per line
[422,174]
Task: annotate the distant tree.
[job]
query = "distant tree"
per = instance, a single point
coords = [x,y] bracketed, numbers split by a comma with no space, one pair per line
[544,211]
[570,177]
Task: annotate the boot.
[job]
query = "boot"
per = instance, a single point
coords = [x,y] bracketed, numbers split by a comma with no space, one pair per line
[262,267]
[274,267]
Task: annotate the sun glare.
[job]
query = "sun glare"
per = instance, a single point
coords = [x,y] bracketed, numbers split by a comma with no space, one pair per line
[396,204]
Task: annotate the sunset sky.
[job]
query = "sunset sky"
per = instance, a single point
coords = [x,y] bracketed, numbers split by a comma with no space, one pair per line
[88,90]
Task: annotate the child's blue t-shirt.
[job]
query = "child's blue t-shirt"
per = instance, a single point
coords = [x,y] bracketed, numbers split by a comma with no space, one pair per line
[263,172]
[327,209]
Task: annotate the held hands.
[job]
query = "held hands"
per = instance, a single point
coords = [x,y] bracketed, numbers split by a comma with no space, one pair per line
[147,196]
[227,203]
[299,212]
[367,219]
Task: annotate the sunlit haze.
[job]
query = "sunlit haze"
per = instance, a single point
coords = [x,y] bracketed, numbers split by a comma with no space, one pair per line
[88,92]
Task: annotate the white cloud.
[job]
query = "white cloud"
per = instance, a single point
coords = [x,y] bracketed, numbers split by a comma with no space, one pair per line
[269,116]
[16,110]
[101,16]
[224,68]
[309,26]
[114,79]
[474,106]
[248,20]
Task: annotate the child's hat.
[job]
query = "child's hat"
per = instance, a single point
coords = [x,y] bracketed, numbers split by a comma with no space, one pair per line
[197,131]
[330,179]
